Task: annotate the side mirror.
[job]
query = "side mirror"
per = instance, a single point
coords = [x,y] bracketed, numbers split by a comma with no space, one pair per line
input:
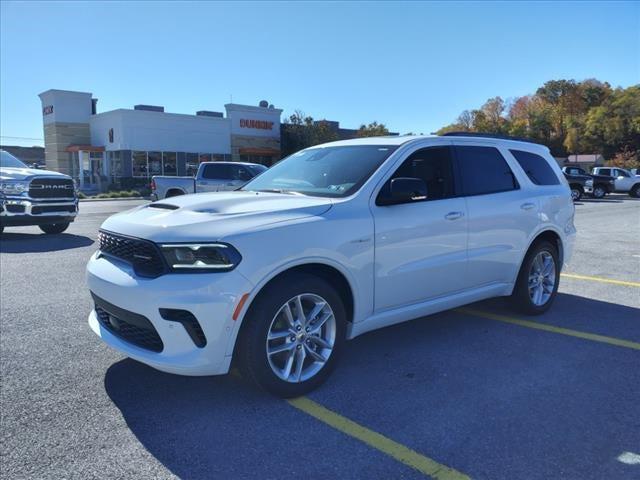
[404,190]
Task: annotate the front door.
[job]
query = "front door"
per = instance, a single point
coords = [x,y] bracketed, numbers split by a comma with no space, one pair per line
[421,246]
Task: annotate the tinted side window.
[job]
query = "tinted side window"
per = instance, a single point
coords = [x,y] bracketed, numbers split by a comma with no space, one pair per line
[239,172]
[484,170]
[605,171]
[433,165]
[217,171]
[537,168]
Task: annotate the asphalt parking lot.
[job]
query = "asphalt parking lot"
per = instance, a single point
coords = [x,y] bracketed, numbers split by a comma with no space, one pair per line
[477,392]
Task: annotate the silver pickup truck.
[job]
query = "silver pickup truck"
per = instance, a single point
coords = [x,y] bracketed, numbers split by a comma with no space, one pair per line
[211,177]
[35,197]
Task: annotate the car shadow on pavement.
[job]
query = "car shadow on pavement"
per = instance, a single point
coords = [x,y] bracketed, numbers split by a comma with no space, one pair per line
[37,243]
[222,427]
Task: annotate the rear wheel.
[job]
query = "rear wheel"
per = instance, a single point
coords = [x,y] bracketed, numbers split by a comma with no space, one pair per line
[576,192]
[635,191]
[54,228]
[599,191]
[293,335]
[537,283]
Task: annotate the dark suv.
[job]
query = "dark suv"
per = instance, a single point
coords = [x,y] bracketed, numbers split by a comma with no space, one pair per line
[602,184]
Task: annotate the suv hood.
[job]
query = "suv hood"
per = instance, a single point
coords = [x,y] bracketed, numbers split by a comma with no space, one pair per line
[212,216]
[9,173]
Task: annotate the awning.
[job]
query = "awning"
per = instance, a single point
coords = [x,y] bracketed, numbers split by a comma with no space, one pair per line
[265,152]
[84,148]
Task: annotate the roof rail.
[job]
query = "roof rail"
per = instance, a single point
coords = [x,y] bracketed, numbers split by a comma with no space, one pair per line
[487,135]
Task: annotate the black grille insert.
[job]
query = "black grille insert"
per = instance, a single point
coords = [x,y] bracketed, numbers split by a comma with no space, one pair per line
[51,188]
[188,321]
[52,208]
[144,255]
[128,326]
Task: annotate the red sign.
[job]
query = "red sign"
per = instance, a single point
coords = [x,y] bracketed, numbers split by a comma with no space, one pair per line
[260,124]
[47,110]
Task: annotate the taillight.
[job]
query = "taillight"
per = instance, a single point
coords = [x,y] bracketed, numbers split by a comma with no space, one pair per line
[153,185]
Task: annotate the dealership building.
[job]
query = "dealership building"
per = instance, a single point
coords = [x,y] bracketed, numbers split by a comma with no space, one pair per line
[98,149]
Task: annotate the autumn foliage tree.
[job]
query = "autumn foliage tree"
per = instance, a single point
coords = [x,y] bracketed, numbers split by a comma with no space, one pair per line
[569,117]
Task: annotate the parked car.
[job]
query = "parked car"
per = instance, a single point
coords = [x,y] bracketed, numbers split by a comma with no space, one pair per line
[602,185]
[210,177]
[35,197]
[579,185]
[624,180]
[332,242]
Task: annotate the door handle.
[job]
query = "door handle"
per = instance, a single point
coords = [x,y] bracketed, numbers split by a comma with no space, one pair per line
[454,215]
[527,206]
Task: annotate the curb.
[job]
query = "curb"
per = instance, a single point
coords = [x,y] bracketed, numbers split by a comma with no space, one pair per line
[112,199]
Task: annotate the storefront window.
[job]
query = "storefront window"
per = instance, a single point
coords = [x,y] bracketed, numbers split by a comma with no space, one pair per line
[115,160]
[192,164]
[169,163]
[155,163]
[204,157]
[139,164]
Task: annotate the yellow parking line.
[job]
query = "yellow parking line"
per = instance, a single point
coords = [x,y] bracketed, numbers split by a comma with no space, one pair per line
[381,443]
[600,279]
[549,328]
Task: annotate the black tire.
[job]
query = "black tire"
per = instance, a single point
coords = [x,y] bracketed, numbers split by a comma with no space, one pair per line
[576,192]
[599,191]
[635,191]
[251,346]
[520,298]
[54,228]
[174,193]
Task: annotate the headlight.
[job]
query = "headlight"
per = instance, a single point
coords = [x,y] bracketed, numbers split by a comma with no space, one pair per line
[589,183]
[201,257]
[13,188]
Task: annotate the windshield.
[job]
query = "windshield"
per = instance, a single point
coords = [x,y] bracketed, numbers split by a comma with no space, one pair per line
[323,172]
[8,160]
[256,169]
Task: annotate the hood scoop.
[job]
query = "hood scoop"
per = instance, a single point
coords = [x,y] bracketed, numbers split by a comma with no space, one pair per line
[163,206]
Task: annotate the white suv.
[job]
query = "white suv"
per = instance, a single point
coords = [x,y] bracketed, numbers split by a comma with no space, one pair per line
[330,243]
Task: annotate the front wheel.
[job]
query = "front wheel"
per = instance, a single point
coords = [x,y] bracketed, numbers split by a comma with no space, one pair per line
[54,228]
[293,335]
[635,191]
[537,283]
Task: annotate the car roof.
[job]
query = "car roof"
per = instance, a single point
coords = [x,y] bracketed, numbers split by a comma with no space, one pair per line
[406,139]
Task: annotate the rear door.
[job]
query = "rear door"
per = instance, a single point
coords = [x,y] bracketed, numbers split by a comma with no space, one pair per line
[212,177]
[501,214]
[420,245]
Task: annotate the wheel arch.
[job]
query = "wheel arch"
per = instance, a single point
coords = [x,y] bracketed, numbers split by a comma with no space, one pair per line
[550,235]
[320,267]
[174,192]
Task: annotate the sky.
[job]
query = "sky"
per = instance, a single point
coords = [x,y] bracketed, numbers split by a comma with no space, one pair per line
[413,66]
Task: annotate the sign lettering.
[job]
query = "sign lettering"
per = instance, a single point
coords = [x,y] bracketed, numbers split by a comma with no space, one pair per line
[259,124]
[48,110]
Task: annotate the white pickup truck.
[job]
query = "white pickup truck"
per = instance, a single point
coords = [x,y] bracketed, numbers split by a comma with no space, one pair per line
[624,180]
[211,177]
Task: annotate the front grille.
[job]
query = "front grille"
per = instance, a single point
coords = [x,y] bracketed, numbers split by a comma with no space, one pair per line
[142,254]
[53,208]
[128,326]
[51,188]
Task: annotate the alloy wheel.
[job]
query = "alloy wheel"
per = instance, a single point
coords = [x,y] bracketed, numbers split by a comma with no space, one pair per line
[542,278]
[301,338]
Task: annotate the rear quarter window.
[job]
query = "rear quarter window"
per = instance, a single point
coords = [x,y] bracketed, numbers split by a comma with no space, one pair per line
[484,170]
[537,168]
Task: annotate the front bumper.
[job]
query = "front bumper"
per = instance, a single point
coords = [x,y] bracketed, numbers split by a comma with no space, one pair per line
[16,210]
[210,297]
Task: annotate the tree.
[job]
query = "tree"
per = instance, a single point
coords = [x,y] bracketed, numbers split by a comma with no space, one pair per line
[300,131]
[374,129]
